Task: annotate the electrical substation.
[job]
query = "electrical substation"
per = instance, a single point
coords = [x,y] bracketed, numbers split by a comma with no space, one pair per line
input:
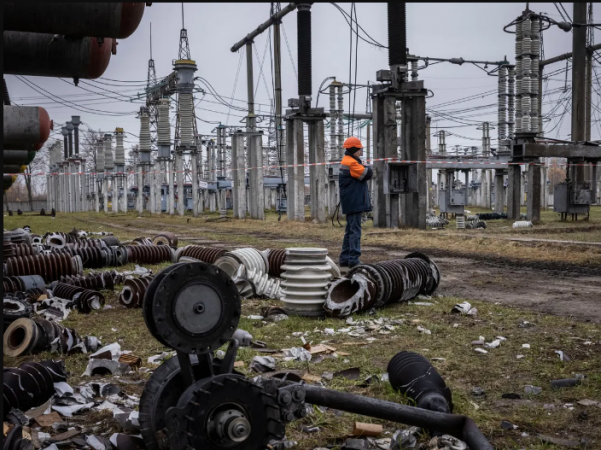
[196,274]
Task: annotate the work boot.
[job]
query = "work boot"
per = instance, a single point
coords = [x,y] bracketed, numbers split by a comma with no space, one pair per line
[343,264]
[350,266]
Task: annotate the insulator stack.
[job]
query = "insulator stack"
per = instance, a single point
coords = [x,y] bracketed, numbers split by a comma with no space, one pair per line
[109,163]
[305,281]
[18,236]
[23,283]
[252,260]
[31,384]
[414,73]
[119,149]
[205,254]
[142,241]
[50,267]
[527,72]
[91,257]
[502,117]
[85,300]
[134,289]
[104,280]
[333,120]
[276,259]
[144,136]
[186,117]
[397,34]
[99,156]
[376,285]
[149,254]
[23,250]
[164,129]
[304,49]
[511,102]
[165,238]
[31,336]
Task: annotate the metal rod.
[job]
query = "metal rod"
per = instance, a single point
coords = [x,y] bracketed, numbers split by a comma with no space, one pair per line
[578,82]
[565,56]
[276,17]
[462,427]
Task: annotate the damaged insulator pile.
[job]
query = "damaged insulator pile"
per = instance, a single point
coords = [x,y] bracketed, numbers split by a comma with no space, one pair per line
[252,260]
[85,300]
[31,384]
[50,267]
[11,250]
[276,259]
[142,241]
[17,236]
[23,283]
[103,280]
[149,254]
[205,254]
[376,285]
[165,238]
[91,257]
[31,336]
[134,289]
[307,275]
[14,308]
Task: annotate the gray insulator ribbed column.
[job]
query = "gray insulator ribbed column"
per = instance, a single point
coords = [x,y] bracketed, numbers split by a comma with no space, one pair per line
[186,116]
[164,129]
[502,108]
[510,102]
[144,136]
[518,75]
[109,164]
[534,61]
[119,150]
[99,157]
[340,122]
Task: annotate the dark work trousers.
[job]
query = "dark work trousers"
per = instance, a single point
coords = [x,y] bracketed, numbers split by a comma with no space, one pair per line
[351,245]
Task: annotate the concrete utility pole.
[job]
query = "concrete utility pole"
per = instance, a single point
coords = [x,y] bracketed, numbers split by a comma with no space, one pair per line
[277,64]
[579,85]
[254,145]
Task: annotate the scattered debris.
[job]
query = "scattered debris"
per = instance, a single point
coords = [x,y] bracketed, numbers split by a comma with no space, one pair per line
[262,364]
[507,425]
[562,356]
[558,441]
[350,374]
[534,390]
[587,402]
[157,359]
[404,439]
[423,330]
[525,345]
[478,392]
[567,382]
[296,354]
[480,350]
[512,396]
[367,429]
[464,308]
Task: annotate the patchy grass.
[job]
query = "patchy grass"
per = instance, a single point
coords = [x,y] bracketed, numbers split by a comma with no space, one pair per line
[498,372]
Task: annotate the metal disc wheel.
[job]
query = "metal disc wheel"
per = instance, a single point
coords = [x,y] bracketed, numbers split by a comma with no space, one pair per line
[225,412]
[192,307]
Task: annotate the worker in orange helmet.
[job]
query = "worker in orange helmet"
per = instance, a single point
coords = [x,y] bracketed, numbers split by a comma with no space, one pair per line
[354,199]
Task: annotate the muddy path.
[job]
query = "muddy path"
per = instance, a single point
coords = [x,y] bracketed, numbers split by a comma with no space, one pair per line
[567,290]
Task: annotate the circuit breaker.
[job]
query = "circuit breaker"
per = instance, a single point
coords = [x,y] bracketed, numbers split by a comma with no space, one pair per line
[400,178]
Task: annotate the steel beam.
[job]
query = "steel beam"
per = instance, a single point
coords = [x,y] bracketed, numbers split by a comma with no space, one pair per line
[539,150]
[264,26]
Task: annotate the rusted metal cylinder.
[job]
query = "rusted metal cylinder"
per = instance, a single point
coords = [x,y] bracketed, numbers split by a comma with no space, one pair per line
[25,127]
[134,289]
[115,20]
[85,300]
[149,254]
[50,267]
[49,55]
[205,254]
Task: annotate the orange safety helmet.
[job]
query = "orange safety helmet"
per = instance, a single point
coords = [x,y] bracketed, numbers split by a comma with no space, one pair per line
[352,142]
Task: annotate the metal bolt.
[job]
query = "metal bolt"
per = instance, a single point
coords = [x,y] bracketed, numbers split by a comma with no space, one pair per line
[199,308]
[289,417]
[298,394]
[301,412]
[284,398]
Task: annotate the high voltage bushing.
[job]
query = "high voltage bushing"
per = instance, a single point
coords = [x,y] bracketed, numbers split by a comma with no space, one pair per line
[114,20]
[14,308]
[304,48]
[144,138]
[142,241]
[134,289]
[31,336]
[252,260]
[149,254]
[119,149]
[414,376]
[397,33]
[49,55]
[165,238]
[99,157]
[85,300]
[375,285]
[25,128]
[205,254]
[164,129]
[109,164]
[306,278]
[17,236]
[185,108]
[103,280]
[110,241]
[19,250]
[23,283]
[31,384]
[50,267]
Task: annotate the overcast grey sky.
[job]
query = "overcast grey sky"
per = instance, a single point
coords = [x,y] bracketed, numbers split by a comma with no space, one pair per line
[443,30]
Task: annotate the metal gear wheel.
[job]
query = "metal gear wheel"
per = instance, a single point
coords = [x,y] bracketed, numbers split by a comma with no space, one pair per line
[192,307]
[225,412]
